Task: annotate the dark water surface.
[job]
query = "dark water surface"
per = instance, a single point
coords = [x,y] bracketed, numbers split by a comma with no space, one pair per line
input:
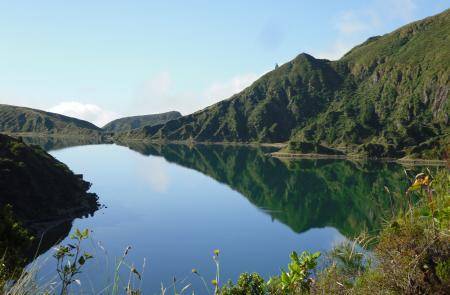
[175,204]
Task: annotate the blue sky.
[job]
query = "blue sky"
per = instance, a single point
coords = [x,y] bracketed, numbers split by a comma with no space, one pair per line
[99,60]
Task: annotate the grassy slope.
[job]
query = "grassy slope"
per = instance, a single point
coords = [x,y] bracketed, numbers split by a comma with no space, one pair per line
[386,97]
[129,123]
[15,119]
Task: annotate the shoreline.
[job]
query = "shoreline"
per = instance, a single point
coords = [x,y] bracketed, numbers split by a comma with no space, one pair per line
[277,154]
[292,155]
[411,161]
[187,142]
[54,135]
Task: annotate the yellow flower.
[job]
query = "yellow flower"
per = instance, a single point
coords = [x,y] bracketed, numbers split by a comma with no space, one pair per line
[421,180]
[216,252]
[214,282]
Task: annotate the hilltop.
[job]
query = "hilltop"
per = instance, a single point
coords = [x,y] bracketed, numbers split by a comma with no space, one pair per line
[22,120]
[387,97]
[129,123]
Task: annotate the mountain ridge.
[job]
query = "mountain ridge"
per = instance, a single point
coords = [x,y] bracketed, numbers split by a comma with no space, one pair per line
[17,119]
[133,122]
[25,121]
[387,97]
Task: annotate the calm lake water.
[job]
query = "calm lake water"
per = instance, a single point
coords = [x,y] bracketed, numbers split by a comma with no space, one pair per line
[175,204]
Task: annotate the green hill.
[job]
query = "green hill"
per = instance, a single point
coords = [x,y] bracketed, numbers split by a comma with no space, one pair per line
[22,120]
[129,123]
[387,97]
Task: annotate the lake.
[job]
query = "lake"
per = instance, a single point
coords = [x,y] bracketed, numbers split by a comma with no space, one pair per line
[175,204]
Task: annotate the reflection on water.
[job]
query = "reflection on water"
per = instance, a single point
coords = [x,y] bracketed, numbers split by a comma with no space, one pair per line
[175,204]
[302,194]
[56,143]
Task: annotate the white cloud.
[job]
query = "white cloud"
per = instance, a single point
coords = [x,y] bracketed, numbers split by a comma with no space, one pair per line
[159,94]
[350,22]
[153,171]
[222,90]
[355,26]
[336,50]
[89,112]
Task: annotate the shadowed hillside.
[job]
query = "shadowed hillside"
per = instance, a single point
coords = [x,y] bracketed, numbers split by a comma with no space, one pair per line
[30,178]
[39,197]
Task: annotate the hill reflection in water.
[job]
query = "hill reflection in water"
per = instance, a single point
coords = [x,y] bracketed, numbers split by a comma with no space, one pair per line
[302,194]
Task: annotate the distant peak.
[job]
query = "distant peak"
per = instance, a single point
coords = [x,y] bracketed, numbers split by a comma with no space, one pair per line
[305,55]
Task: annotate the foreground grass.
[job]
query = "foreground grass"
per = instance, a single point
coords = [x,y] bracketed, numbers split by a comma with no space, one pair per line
[412,252]
[410,255]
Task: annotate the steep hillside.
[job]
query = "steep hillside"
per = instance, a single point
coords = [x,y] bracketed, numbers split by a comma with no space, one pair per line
[387,97]
[129,123]
[30,179]
[14,119]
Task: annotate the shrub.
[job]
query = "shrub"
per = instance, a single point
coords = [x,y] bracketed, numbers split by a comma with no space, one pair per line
[247,284]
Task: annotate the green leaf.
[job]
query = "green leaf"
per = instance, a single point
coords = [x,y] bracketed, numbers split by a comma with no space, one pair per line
[87,255]
[85,233]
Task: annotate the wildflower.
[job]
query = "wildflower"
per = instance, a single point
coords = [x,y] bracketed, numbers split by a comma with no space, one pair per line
[194,271]
[420,181]
[214,282]
[216,252]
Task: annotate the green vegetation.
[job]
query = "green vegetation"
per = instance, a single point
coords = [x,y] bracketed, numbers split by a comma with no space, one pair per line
[21,120]
[14,242]
[71,260]
[30,178]
[37,123]
[387,97]
[412,252]
[129,123]
[312,148]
